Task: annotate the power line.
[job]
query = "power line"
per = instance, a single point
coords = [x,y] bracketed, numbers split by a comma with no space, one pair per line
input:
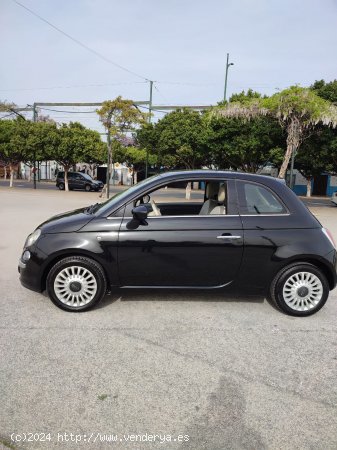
[86,117]
[8,115]
[147,108]
[160,93]
[14,111]
[182,83]
[99,55]
[70,112]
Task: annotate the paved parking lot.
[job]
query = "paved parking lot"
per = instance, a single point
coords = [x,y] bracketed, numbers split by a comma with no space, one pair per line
[223,372]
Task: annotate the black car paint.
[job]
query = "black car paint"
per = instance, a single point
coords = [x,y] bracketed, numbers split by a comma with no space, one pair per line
[156,255]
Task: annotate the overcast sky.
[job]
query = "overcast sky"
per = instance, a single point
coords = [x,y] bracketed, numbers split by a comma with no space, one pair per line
[181,44]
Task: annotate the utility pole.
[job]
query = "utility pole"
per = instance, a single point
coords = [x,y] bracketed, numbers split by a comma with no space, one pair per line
[226,76]
[150,111]
[108,165]
[34,169]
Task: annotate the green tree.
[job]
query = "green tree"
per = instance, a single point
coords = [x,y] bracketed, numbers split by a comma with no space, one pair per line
[10,154]
[32,140]
[134,158]
[244,145]
[328,91]
[297,109]
[246,97]
[178,140]
[119,117]
[72,143]
[326,140]
[311,159]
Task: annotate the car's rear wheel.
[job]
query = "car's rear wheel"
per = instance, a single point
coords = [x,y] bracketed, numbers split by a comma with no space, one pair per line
[300,289]
[87,187]
[61,186]
[76,283]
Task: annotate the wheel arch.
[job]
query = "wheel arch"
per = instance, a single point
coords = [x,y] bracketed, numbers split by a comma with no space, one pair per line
[315,262]
[66,254]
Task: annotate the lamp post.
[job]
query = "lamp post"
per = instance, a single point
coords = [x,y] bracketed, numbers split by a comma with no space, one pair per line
[150,113]
[34,169]
[227,65]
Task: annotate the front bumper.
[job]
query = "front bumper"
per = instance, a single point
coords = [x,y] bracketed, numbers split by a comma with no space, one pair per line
[29,276]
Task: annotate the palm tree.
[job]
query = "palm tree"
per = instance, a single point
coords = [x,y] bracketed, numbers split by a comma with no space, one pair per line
[297,109]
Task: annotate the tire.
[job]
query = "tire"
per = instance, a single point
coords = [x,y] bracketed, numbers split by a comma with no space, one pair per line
[61,186]
[87,187]
[300,289]
[76,283]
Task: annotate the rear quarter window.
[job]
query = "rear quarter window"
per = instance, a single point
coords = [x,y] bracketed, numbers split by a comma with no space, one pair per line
[255,199]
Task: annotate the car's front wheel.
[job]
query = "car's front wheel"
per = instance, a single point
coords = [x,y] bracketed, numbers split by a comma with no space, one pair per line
[300,289]
[76,283]
[61,186]
[87,187]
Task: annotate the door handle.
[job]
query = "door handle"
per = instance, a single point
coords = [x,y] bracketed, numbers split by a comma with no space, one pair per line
[228,236]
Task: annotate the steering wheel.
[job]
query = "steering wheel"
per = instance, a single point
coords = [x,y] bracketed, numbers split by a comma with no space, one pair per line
[155,208]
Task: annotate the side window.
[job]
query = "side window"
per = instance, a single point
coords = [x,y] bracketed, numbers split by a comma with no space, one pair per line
[185,198]
[257,199]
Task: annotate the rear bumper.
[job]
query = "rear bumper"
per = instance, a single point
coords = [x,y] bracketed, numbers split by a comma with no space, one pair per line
[332,259]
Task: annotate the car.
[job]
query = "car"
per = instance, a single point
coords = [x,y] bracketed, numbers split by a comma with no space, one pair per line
[236,231]
[334,198]
[78,180]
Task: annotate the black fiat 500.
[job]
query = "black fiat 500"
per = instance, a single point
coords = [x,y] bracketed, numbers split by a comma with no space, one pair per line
[195,229]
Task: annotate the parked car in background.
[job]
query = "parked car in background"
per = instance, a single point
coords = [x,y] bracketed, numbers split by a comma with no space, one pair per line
[334,198]
[241,231]
[78,180]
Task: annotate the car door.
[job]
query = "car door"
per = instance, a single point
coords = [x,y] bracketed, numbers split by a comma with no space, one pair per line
[79,181]
[268,228]
[181,251]
[72,181]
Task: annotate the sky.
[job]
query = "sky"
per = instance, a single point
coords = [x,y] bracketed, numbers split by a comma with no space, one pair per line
[179,44]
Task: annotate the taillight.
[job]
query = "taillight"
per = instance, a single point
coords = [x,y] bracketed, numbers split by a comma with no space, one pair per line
[329,236]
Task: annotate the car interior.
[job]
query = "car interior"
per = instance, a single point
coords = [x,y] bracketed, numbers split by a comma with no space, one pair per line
[203,198]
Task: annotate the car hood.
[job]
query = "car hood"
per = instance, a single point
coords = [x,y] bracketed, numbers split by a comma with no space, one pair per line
[66,222]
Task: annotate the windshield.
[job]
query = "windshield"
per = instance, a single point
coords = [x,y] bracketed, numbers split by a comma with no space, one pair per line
[120,195]
[85,175]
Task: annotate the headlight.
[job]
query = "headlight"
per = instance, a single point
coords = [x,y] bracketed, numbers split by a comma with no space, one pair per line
[33,238]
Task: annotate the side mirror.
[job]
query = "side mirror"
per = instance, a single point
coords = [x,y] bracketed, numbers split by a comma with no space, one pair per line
[139,213]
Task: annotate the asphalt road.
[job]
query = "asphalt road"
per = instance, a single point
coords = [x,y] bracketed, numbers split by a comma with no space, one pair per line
[24,184]
[229,373]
